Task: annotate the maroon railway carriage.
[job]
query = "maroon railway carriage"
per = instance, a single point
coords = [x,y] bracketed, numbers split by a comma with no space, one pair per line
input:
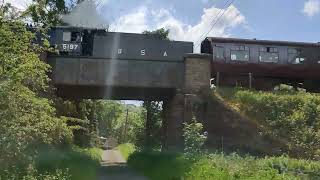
[262,64]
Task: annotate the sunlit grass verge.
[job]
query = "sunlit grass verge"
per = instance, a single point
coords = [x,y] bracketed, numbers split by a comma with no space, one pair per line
[290,116]
[163,166]
[159,166]
[126,150]
[81,164]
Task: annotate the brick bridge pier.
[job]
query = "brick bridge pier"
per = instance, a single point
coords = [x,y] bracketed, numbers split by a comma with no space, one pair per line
[187,102]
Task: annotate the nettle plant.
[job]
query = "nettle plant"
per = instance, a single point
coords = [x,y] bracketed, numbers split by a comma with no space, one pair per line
[194,138]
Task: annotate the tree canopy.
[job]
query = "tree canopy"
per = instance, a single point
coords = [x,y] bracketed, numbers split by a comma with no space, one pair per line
[161,33]
[27,120]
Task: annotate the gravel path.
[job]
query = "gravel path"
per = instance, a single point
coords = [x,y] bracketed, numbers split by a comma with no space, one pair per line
[114,167]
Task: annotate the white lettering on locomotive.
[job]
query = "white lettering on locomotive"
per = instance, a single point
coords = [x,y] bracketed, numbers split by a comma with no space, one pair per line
[143,52]
[165,53]
[70,47]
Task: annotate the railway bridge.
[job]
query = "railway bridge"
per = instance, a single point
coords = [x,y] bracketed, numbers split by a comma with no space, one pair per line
[126,66]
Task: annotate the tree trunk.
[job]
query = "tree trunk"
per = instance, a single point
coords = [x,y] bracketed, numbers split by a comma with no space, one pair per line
[164,127]
[148,123]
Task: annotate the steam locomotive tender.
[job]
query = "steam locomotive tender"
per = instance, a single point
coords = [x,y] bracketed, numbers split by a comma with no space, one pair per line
[88,63]
[73,41]
[263,64]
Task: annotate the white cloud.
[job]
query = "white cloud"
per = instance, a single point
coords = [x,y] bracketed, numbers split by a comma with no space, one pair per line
[181,31]
[19,4]
[134,22]
[137,22]
[311,7]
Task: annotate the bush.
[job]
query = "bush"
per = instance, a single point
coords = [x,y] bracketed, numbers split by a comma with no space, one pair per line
[293,117]
[27,123]
[159,166]
[165,166]
[81,164]
[194,139]
[126,150]
[33,174]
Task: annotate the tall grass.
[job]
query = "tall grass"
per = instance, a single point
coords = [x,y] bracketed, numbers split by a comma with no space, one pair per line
[81,164]
[168,166]
[292,116]
[159,166]
[59,164]
[126,150]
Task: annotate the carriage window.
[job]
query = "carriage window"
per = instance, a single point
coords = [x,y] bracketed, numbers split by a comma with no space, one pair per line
[218,53]
[240,53]
[66,36]
[294,56]
[269,54]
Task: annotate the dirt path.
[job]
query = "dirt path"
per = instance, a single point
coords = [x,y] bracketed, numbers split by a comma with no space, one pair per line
[114,167]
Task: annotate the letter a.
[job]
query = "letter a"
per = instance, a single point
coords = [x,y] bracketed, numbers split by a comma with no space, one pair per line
[165,53]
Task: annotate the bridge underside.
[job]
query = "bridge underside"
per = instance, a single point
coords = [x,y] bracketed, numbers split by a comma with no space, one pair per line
[114,92]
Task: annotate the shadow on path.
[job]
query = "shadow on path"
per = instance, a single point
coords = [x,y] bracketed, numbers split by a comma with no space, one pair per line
[114,167]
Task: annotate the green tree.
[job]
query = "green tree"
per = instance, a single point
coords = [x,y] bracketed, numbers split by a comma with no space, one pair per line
[46,12]
[194,138]
[161,33]
[108,113]
[130,124]
[28,121]
[8,12]
[153,123]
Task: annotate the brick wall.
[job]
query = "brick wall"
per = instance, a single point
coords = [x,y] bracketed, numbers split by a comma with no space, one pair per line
[197,72]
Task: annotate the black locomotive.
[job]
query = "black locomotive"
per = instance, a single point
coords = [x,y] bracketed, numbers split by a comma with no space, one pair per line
[73,41]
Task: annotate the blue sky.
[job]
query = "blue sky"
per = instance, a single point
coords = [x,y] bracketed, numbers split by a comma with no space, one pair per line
[293,20]
[280,20]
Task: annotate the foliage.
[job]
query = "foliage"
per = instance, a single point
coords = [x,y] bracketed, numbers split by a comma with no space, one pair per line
[291,116]
[19,57]
[159,166]
[135,125]
[91,119]
[46,12]
[8,12]
[151,139]
[80,163]
[108,116]
[28,121]
[34,139]
[194,138]
[118,120]
[126,150]
[161,33]
[155,165]
[58,174]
